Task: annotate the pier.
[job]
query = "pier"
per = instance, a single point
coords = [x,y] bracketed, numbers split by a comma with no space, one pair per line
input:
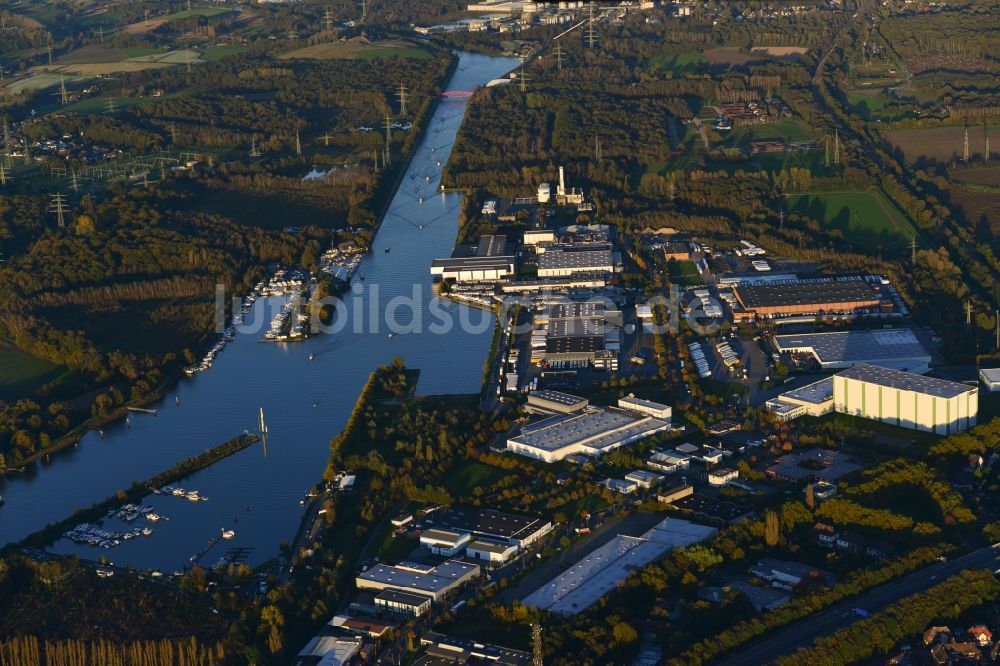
[142,410]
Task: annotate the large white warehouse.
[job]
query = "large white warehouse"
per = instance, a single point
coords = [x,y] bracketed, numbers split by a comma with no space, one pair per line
[905,399]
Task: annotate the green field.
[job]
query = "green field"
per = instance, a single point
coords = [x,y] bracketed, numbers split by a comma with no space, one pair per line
[788,129]
[864,218]
[683,272]
[678,64]
[359,51]
[468,475]
[22,374]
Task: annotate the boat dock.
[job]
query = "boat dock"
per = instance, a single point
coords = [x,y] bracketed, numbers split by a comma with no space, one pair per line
[143,410]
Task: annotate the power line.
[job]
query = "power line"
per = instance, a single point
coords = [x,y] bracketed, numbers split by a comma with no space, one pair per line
[591,33]
[60,209]
[402,99]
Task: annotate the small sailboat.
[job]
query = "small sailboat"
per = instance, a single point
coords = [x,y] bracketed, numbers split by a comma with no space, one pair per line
[177,400]
[387,248]
[312,357]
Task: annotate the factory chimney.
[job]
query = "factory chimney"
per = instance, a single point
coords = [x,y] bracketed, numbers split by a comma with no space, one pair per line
[562,183]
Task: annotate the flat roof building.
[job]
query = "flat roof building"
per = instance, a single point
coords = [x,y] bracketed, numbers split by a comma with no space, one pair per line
[890,348]
[432,581]
[559,261]
[329,651]
[592,432]
[814,296]
[494,525]
[555,402]
[630,403]
[644,478]
[814,399]
[486,262]
[990,378]
[494,552]
[403,603]
[906,399]
[602,570]
[444,542]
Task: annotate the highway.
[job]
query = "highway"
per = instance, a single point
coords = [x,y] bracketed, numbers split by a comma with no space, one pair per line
[803,632]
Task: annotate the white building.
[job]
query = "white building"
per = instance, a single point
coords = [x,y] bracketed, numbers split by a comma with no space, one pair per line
[990,378]
[419,579]
[592,432]
[722,476]
[620,486]
[905,399]
[444,542]
[544,193]
[644,478]
[814,399]
[494,552]
[668,461]
[648,407]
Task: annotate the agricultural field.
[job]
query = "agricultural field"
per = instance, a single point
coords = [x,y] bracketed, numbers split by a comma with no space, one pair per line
[22,374]
[77,65]
[865,218]
[142,27]
[942,144]
[989,176]
[781,52]
[39,80]
[677,64]
[359,51]
[980,207]
[871,104]
[729,55]
[789,129]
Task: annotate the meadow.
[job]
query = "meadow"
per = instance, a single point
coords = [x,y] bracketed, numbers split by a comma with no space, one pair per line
[22,374]
[943,144]
[359,51]
[864,218]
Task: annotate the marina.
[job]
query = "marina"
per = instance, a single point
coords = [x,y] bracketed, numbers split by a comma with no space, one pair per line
[252,491]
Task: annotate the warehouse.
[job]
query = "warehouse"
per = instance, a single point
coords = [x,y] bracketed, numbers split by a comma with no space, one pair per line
[578,331]
[560,260]
[630,403]
[890,348]
[521,531]
[592,432]
[494,552]
[814,399]
[444,542]
[606,567]
[485,262]
[554,402]
[990,378]
[843,295]
[402,603]
[905,399]
[427,580]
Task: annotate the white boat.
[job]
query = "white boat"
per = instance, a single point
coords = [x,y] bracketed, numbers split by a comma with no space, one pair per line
[228,534]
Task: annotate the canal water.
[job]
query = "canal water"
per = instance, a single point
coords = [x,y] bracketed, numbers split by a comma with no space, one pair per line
[305,402]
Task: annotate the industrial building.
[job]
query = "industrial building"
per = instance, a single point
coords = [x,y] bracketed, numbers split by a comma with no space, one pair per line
[990,378]
[833,295]
[906,399]
[630,403]
[487,261]
[565,260]
[444,542]
[814,399]
[592,432]
[398,602]
[421,579]
[494,552]
[889,348]
[578,331]
[329,651]
[554,402]
[602,570]
[521,531]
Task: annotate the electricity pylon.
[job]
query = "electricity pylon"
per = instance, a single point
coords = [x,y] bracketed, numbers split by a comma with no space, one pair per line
[402,99]
[59,208]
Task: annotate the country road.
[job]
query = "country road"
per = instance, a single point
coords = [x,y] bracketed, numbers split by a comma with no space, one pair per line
[803,632]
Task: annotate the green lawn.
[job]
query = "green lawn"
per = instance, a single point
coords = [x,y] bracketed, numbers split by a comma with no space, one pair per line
[864,218]
[789,129]
[22,374]
[213,53]
[683,272]
[678,64]
[467,475]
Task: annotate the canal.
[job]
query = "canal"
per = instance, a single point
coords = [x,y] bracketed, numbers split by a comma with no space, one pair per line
[306,402]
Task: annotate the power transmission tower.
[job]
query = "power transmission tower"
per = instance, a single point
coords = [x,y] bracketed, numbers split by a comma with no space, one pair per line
[298,143]
[591,32]
[6,142]
[76,184]
[326,139]
[826,152]
[63,97]
[559,56]
[536,643]
[388,139]
[836,147]
[968,313]
[100,30]
[253,147]
[364,9]
[781,220]
[3,175]
[965,148]
[402,99]
[49,49]
[328,19]
[111,105]
[522,78]
[672,186]
[913,250]
[173,132]
[598,155]
[59,208]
